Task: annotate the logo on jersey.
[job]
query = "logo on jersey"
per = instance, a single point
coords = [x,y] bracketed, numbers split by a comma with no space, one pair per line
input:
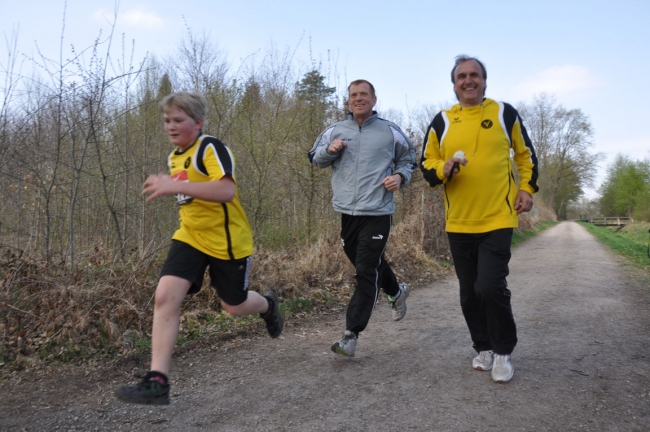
[181,198]
[187,163]
[378,237]
[486,124]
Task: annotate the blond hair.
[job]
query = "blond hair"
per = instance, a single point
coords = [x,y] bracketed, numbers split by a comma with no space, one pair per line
[192,103]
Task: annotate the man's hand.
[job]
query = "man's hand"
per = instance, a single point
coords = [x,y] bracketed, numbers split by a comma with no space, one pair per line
[392,182]
[449,165]
[336,146]
[159,185]
[523,202]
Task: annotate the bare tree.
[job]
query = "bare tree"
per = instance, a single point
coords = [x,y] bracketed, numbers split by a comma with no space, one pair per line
[200,64]
[562,139]
[10,81]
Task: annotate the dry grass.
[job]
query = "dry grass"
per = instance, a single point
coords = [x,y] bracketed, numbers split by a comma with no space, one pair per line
[106,308]
[62,316]
[539,213]
[301,271]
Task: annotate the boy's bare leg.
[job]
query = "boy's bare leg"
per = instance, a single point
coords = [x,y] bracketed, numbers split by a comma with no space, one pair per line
[170,293]
[254,304]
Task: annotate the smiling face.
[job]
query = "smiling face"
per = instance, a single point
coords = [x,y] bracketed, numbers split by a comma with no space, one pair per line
[361,101]
[181,129]
[469,84]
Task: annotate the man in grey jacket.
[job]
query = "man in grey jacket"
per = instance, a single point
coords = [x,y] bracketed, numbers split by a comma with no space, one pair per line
[371,158]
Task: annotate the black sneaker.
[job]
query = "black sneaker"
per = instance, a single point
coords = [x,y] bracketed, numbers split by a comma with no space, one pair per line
[148,391]
[273,317]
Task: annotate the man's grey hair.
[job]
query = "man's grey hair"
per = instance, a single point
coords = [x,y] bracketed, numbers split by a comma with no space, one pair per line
[462,59]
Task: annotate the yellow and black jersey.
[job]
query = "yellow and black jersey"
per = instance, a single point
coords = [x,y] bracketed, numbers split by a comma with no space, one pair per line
[481,197]
[218,229]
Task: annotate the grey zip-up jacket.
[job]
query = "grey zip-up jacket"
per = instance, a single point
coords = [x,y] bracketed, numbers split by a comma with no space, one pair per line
[373,151]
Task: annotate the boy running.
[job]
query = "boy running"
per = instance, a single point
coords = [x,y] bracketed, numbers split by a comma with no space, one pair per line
[214,232]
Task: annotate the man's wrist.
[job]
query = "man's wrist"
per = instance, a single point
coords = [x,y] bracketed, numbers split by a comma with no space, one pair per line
[401,176]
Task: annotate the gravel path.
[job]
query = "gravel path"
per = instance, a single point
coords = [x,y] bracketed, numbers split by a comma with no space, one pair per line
[582,363]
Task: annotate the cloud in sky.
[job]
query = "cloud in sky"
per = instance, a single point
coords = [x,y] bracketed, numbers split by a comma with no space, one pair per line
[567,80]
[135,17]
[636,147]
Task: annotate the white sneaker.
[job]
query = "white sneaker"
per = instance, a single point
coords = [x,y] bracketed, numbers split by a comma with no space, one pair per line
[483,361]
[399,304]
[346,345]
[502,370]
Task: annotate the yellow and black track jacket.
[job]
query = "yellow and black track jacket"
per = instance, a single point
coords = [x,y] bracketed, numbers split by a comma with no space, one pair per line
[481,197]
[218,229]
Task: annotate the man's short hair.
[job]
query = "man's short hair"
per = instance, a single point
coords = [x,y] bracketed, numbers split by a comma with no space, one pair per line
[194,104]
[361,81]
[462,59]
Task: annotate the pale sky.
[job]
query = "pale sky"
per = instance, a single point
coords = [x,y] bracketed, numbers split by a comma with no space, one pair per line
[580,51]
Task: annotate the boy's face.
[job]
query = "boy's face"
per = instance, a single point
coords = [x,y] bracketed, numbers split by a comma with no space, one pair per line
[181,129]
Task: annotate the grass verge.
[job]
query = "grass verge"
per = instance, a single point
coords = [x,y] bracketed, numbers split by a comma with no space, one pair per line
[630,242]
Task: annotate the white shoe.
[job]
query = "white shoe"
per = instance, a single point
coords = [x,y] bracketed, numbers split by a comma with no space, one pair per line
[346,345]
[502,370]
[399,304]
[483,361]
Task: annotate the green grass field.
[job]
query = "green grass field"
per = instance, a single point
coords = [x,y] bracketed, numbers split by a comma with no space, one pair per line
[630,242]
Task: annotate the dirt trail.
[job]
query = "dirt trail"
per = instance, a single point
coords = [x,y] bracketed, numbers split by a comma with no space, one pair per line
[582,363]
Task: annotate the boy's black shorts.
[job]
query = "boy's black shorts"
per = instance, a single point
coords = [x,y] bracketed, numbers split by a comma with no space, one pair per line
[228,277]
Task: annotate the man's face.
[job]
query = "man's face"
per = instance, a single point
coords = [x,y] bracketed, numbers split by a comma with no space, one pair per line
[181,129]
[469,84]
[361,101]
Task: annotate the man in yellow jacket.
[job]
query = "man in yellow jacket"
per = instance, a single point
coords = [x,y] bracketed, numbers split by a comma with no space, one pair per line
[482,205]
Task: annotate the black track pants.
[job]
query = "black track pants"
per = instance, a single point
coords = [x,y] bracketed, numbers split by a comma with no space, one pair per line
[364,241]
[481,263]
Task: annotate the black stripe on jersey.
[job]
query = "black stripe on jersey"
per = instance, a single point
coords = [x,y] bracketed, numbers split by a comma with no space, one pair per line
[222,154]
[226,221]
[438,126]
[510,116]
